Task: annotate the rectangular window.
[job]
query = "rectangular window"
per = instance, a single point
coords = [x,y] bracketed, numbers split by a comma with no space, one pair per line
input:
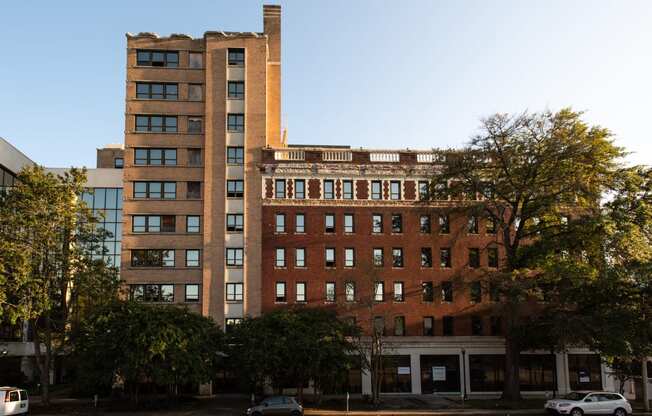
[424,190]
[379,291]
[330,291]
[118,163]
[300,257]
[192,293]
[299,189]
[155,190]
[378,257]
[234,257]
[235,155]
[195,60]
[444,224]
[445,258]
[428,326]
[472,226]
[152,258]
[474,258]
[153,223]
[300,223]
[280,223]
[280,292]
[494,292]
[192,258]
[426,257]
[397,257]
[234,292]
[195,92]
[496,326]
[279,188]
[329,189]
[399,296]
[168,59]
[377,223]
[193,190]
[329,223]
[235,123]
[301,292]
[427,292]
[152,293]
[347,189]
[448,326]
[424,224]
[492,257]
[194,125]
[476,326]
[193,224]
[446,291]
[156,124]
[194,157]
[280,257]
[348,223]
[230,323]
[399,326]
[476,292]
[236,56]
[379,325]
[491,225]
[329,255]
[157,91]
[235,223]
[234,188]
[376,190]
[349,257]
[395,190]
[236,90]
[397,223]
[349,291]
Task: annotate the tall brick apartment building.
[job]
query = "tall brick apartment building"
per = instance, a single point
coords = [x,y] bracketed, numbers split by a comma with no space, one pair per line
[221,215]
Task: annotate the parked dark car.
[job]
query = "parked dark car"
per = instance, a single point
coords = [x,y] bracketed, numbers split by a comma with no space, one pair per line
[276,405]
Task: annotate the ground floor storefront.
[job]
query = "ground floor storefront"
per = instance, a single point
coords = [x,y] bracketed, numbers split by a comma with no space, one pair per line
[474,367]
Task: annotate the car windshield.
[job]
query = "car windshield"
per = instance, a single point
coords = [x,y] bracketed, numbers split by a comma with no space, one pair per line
[575,395]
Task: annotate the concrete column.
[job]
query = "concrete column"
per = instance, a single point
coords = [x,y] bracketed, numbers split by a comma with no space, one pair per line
[465,373]
[563,378]
[415,372]
[366,382]
[646,385]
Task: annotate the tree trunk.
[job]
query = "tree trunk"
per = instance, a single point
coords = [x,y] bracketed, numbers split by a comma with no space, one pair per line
[43,364]
[512,388]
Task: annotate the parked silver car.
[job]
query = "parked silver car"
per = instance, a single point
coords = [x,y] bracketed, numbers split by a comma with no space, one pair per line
[276,405]
[579,403]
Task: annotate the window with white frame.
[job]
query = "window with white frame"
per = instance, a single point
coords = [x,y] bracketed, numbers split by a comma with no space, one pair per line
[234,292]
[301,291]
[348,223]
[300,257]
[349,257]
[300,223]
[330,291]
[280,223]
[280,257]
[379,291]
[280,295]
[349,291]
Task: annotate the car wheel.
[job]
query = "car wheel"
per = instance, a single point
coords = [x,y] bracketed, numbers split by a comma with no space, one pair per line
[576,412]
[298,413]
[256,414]
[620,412]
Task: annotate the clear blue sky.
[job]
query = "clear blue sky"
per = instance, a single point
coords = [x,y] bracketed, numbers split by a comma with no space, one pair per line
[415,74]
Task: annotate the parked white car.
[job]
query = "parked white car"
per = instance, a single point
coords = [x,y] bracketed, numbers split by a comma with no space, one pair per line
[579,403]
[13,401]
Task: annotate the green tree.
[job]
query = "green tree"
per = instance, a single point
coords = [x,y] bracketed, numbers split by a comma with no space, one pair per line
[49,276]
[526,173]
[139,344]
[291,347]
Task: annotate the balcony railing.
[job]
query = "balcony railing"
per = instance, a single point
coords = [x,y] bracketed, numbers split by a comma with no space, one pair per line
[386,157]
[289,155]
[337,155]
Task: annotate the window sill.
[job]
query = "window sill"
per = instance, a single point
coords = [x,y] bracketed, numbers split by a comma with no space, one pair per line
[233,302]
[426,267]
[235,267]
[234,232]
[235,98]
[330,267]
[300,267]
[277,302]
[280,267]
